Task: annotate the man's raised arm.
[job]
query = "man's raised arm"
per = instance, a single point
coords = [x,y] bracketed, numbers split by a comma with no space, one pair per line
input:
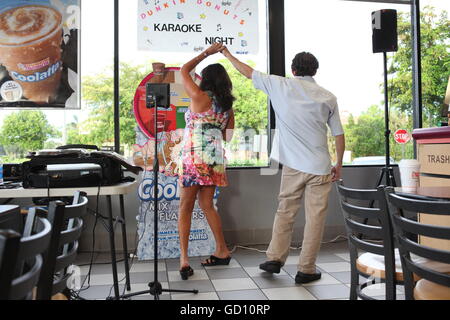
[243,68]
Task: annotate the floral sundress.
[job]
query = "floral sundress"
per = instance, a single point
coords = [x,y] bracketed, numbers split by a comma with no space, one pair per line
[203,155]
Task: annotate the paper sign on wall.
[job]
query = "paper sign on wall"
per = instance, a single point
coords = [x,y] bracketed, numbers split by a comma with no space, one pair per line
[193,25]
[201,239]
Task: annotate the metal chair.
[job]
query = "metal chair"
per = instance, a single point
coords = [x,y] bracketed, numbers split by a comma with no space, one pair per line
[67,226]
[378,263]
[10,218]
[426,270]
[20,258]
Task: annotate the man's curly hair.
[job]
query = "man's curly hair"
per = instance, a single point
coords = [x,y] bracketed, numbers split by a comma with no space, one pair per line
[305,64]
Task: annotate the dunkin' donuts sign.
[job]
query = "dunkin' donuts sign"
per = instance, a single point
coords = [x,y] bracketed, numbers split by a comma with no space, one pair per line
[39,53]
[193,25]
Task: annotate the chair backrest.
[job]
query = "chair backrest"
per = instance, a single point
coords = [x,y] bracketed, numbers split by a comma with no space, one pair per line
[9,247]
[355,214]
[405,224]
[67,226]
[22,261]
[10,218]
[376,238]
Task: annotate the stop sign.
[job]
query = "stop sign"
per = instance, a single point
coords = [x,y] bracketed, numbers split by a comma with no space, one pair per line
[402,136]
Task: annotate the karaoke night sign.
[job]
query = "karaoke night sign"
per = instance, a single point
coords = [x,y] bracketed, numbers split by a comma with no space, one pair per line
[193,25]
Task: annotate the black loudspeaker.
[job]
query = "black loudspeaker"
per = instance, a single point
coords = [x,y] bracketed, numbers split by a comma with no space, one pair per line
[159,94]
[384,31]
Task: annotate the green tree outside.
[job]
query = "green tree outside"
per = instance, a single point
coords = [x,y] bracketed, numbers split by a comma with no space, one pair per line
[365,135]
[29,130]
[435,48]
[25,131]
[250,107]
[98,94]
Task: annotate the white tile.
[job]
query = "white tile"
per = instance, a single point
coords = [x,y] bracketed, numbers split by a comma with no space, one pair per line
[334,266]
[198,275]
[345,256]
[103,279]
[234,284]
[294,293]
[198,296]
[233,264]
[257,272]
[147,267]
[136,287]
[292,260]
[326,279]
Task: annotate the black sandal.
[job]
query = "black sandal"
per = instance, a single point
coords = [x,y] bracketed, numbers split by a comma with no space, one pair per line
[186,272]
[216,261]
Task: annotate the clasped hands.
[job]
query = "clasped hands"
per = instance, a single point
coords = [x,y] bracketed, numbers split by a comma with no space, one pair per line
[217,47]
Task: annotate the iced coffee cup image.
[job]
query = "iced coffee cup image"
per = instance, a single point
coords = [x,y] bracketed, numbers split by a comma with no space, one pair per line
[30,49]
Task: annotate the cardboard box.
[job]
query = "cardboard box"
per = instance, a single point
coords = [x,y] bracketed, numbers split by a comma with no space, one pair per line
[436,220]
[434,158]
[425,181]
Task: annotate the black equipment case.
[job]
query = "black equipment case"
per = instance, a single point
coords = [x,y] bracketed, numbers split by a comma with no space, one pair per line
[68,167]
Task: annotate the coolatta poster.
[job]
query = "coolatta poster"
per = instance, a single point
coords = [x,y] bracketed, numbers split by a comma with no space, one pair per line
[201,239]
[193,25]
[39,53]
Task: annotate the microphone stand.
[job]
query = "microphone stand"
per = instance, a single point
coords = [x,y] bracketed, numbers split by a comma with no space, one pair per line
[156,288]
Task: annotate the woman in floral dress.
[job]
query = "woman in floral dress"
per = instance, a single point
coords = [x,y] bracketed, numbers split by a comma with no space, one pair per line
[209,121]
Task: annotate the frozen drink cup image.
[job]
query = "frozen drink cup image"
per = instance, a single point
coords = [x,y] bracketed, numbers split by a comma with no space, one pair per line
[30,49]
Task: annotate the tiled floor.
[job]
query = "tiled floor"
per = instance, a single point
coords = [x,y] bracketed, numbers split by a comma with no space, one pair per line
[241,280]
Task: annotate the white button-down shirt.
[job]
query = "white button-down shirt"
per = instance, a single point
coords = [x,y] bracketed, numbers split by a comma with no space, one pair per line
[303,110]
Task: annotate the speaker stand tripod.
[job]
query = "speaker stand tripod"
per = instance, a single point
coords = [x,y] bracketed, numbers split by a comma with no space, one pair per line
[156,288]
[387,171]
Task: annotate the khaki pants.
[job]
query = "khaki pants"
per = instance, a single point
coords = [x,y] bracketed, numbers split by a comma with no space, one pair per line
[316,189]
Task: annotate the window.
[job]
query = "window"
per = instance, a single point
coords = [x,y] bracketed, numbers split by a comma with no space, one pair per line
[435,48]
[28,130]
[339,34]
[94,123]
[249,147]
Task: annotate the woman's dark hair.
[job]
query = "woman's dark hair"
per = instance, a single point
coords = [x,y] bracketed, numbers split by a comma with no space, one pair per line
[215,79]
[305,64]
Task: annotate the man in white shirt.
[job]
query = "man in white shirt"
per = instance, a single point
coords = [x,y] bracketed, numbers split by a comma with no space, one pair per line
[303,111]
